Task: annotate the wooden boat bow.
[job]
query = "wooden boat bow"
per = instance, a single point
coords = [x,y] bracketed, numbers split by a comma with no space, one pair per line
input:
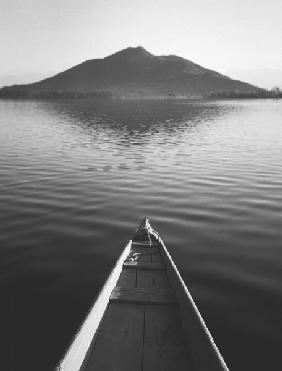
[144,317]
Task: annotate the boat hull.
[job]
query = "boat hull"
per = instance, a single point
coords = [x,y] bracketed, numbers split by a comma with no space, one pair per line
[144,317]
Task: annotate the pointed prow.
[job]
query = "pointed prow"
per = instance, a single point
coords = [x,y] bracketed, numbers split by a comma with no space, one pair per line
[145,234]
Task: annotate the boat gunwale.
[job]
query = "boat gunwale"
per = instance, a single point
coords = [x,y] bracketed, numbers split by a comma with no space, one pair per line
[75,358]
[180,287]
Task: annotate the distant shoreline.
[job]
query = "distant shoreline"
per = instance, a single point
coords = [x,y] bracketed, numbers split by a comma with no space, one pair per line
[134,98]
[18,93]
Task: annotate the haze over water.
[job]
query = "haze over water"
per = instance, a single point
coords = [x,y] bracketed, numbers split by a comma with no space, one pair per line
[77,177]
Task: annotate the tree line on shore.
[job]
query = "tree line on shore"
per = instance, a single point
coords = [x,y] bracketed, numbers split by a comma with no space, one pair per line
[24,94]
[8,93]
[260,94]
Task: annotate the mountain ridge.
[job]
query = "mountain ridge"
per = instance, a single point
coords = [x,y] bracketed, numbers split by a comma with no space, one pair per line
[135,72]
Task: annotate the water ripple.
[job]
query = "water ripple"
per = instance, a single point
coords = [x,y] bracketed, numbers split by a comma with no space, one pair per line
[78,176]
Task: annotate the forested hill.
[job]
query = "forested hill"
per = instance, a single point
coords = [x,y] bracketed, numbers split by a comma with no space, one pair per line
[133,72]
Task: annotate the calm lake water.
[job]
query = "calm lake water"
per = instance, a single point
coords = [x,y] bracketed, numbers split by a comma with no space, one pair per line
[77,177]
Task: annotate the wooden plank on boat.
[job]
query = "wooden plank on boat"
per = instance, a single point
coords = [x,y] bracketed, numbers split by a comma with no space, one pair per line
[142,296]
[145,278]
[161,280]
[139,265]
[144,258]
[164,342]
[145,243]
[156,258]
[120,341]
[145,250]
[127,278]
[156,279]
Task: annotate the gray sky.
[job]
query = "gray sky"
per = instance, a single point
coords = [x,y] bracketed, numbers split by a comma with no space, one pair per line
[242,38]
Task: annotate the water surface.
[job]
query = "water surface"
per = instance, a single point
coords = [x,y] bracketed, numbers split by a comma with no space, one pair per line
[76,178]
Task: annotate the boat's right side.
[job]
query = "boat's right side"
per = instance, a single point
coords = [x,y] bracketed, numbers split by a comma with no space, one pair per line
[202,350]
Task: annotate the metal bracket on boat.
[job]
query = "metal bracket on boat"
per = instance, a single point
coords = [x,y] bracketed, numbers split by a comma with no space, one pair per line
[135,256]
[146,227]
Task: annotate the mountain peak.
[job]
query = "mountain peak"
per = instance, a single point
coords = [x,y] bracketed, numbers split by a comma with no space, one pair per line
[129,52]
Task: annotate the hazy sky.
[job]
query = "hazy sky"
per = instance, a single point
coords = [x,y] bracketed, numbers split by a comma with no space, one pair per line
[242,38]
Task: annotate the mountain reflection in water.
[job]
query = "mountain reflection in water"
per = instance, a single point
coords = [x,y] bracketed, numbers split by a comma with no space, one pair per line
[78,176]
